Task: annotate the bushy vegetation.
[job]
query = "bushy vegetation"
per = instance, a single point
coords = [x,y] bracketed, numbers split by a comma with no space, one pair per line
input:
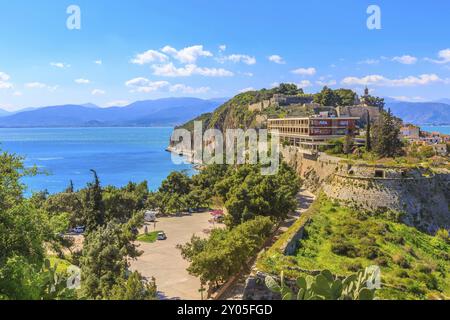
[235,113]
[34,251]
[414,265]
[335,98]
[254,204]
[242,190]
[247,193]
[25,273]
[386,136]
[32,245]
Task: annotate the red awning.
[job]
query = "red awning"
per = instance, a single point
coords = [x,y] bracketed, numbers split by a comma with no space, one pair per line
[217,213]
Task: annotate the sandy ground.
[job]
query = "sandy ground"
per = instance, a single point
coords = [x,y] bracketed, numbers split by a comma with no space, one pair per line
[163,260]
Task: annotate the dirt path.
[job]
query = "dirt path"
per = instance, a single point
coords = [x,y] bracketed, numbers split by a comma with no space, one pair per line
[305,199]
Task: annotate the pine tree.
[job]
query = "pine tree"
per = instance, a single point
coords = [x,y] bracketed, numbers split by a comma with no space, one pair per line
[387,136]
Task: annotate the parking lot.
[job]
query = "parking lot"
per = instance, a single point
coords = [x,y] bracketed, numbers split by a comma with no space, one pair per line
[163,260]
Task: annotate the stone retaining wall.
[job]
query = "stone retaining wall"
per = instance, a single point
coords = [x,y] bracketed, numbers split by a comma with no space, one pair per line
[420,196]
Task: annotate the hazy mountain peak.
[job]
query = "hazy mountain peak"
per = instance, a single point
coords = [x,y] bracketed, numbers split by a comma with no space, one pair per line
[162,112]
[4,113]
[90,105]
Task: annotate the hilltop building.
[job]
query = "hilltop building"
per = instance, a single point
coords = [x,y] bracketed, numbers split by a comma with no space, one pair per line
[410,132]
[311,133]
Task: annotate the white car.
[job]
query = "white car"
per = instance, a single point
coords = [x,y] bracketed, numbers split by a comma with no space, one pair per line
[162,236]
[150,216]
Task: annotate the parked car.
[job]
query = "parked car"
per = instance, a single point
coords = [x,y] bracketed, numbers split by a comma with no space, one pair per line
[150,216]
[79,229]
[162,236]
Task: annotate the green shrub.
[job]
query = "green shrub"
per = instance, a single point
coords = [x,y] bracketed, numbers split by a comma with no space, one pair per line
[401,261]
[372,252]
[354,267]
[344,248]
[382,261]
[443,235]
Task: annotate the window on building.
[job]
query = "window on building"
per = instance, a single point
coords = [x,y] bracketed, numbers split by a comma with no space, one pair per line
[379,173]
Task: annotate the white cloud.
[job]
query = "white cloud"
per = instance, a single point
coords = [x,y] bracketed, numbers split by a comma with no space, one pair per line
[99,62]
[325,83]
[4,81]
[187,89]
[60,65]
[406,59]
[40,85]
[247,89]
[169,70]
[236,58]
[17,94]
[381,81]
[149,56]
[369,61]
[187,55]
[444,57]
[410,99]
[98,92]
[35,85]
[144,85]
[304,84]
[82,81]
[222,48]
[305,71]
[118,103]
[276,59]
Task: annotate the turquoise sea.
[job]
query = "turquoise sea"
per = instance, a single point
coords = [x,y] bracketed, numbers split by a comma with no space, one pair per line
[119,155]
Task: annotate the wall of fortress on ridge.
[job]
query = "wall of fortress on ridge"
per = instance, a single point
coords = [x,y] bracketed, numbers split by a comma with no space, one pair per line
[359,111]
[420,196]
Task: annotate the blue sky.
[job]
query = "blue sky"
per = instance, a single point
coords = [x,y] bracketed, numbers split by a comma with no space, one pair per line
[134,50]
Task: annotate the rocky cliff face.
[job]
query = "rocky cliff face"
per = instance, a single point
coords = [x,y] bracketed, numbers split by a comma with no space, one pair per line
[414,196]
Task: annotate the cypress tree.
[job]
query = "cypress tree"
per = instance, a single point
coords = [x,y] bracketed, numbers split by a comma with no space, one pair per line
[368,134]
[70,188]
[94,208]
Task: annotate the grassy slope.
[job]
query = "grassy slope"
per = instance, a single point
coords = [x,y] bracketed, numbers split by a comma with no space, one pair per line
[414,265]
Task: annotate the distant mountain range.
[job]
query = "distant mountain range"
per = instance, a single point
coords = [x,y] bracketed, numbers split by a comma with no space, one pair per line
[3,113]
[162,112]
[176,111]
[421,113]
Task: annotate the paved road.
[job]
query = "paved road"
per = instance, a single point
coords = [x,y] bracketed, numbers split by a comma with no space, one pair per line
[163,260]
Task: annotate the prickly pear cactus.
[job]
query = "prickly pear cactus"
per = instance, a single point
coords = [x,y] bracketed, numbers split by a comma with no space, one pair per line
[325,286]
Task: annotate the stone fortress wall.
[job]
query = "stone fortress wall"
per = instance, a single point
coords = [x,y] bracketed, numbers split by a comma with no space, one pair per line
[419,195]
